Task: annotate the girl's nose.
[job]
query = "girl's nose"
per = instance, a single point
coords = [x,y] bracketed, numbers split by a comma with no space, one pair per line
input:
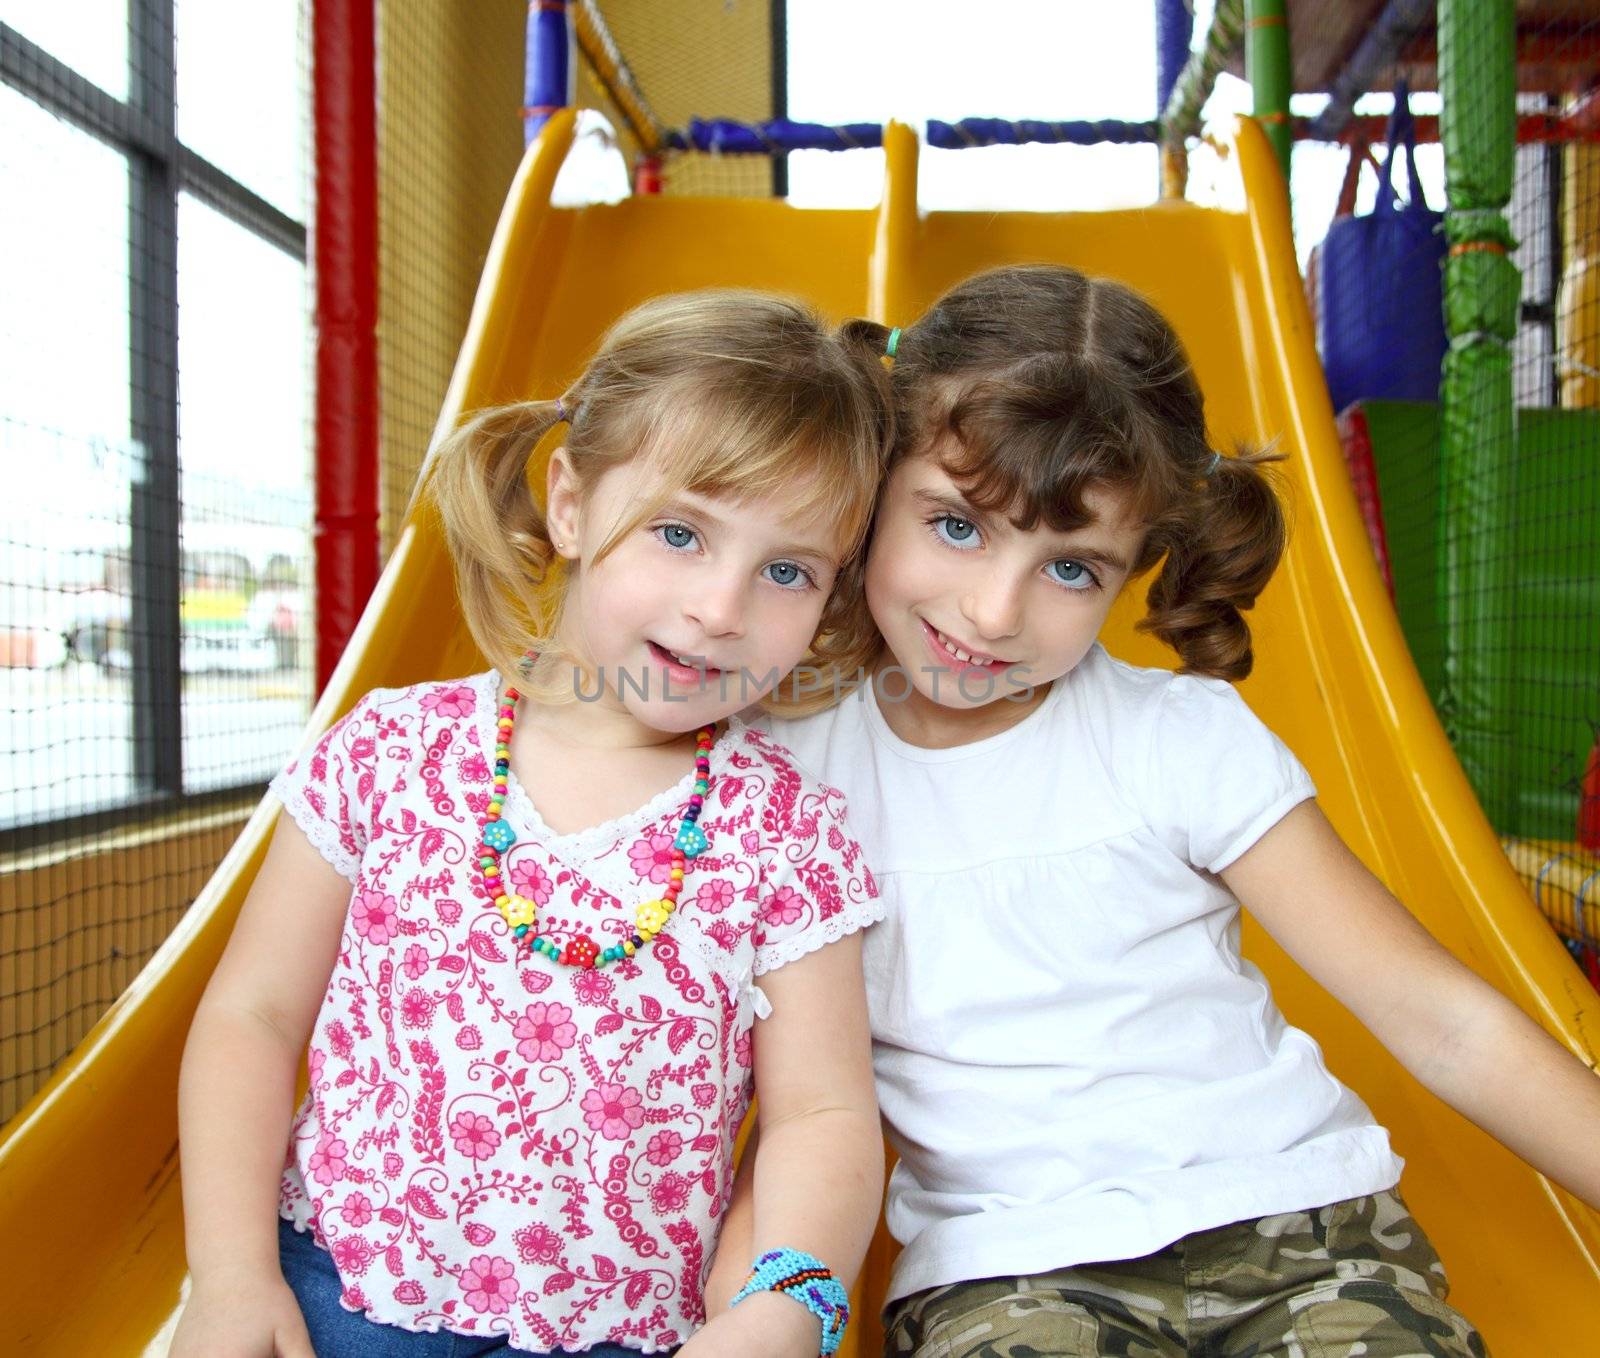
[994,607]
[718,610]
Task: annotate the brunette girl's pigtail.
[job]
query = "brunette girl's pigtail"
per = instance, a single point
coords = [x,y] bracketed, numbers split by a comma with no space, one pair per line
[478,481]
[847,639]
[868,342]
[1221,547]
[867,337]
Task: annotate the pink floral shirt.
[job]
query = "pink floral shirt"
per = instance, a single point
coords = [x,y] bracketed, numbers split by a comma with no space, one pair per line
[538,1151]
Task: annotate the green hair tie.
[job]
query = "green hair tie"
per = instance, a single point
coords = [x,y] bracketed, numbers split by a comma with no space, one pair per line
[892,343]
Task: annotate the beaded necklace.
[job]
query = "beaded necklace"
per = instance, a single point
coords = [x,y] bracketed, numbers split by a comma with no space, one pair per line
[521,914]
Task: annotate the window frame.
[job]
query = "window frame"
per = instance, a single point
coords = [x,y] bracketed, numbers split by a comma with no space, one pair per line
[144,129]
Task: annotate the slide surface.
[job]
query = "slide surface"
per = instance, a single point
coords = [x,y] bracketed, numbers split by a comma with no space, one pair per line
[90,1218]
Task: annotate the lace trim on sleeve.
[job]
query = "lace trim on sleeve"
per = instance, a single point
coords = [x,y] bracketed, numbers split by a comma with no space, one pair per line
[855,916]
[323,836]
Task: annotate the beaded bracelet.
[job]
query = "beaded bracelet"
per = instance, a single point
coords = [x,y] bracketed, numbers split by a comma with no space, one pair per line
[803,1277]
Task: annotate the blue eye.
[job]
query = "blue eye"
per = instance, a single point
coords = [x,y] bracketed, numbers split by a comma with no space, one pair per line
[954,532]
[788,574]
[1072,574]
[676,535]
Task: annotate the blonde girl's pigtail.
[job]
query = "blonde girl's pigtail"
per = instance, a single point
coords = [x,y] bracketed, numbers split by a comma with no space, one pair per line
[478,483]
[1222,546]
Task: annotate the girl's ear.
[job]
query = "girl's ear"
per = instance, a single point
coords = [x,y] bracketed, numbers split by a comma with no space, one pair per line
[563,504]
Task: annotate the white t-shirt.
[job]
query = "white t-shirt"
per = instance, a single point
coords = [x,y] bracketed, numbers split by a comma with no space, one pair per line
[1073,1060]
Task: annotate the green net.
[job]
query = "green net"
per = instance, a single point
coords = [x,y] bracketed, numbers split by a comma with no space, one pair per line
[1484,497]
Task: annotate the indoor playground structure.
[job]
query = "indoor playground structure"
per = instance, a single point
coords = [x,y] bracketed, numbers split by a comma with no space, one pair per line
[1430,649]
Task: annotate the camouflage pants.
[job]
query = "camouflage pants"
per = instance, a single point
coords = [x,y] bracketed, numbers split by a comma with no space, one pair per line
[1355,1277]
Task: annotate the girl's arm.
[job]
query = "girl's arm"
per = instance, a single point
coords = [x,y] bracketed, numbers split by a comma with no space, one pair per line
[236,1096]
[735,1241]
[817,1178]
[1456,1033]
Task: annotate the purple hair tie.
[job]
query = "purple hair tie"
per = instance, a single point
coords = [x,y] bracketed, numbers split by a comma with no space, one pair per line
[561,411]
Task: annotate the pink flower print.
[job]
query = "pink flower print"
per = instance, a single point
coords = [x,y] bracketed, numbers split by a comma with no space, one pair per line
[416,1009]
[670,1193]
[315,1060]
[651,857]
[327,1162]
[475,768]
[664,1148]
[715,896]
[532,881]
[785,907]
[339,1039]
[375,916]
[537,1244]
[489,1284]
[545,1031]
[409,1293]
[742,1048]
[477,1233]
[723,934]
[352,1254]
[592,987]
[416,961]
[392,1165]
[474,1135]
[356,1211]
[750,841]
[613,1110]
[449,702]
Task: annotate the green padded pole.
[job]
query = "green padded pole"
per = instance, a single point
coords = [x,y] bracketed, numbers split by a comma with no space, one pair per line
[1482,288]
[1266,62]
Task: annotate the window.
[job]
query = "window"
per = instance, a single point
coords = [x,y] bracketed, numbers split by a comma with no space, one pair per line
[1030,59]
[154,322]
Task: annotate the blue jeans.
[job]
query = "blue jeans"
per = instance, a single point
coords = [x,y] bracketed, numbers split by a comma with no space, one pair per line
[338,1333]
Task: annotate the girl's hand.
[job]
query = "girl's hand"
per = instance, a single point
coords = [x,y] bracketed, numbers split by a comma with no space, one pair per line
[233,1316]
[766,1325]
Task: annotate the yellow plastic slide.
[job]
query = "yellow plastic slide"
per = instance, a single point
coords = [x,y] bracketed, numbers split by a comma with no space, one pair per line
[91,1257]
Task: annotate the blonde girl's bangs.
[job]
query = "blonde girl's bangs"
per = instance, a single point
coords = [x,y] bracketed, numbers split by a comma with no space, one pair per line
[826,473]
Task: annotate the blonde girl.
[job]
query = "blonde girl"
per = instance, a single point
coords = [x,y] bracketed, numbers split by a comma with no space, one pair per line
[546,928]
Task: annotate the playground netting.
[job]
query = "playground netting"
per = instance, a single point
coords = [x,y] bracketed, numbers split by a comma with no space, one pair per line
[1481,488]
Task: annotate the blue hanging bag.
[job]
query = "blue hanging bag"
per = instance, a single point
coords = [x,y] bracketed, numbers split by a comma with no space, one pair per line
[1380,290]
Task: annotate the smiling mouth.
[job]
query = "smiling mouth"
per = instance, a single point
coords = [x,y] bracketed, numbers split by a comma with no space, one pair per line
[695,665]
[961,654]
